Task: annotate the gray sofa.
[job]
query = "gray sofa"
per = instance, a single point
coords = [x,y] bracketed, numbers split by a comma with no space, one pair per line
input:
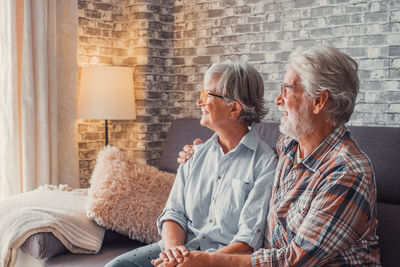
[382,144]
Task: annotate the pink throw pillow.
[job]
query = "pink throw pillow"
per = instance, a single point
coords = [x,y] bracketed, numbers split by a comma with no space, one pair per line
[127,196]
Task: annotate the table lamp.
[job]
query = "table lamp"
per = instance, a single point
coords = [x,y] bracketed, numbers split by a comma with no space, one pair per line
[106,92]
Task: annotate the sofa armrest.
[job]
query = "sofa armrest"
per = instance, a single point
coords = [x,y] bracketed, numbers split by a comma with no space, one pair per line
[43,246]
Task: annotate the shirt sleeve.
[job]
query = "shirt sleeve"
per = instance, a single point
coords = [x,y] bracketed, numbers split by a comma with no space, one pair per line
[252,219]
[174,209]
[339,215]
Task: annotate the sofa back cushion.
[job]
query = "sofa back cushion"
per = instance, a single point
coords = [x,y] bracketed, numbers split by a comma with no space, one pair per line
[382,145]
[389,233]
[181,132]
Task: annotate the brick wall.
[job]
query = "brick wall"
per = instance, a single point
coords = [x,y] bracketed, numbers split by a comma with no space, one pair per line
[150,26]
[135,34]
[170,43]
[102,41]
[265,32]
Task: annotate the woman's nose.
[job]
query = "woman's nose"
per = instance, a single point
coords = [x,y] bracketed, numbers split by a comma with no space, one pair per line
[199,103]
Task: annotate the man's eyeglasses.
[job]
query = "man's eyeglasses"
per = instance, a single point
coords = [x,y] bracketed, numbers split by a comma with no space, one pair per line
[285,88]
[204,95]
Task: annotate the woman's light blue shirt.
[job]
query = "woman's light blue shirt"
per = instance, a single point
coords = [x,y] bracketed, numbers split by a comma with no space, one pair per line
[220,198]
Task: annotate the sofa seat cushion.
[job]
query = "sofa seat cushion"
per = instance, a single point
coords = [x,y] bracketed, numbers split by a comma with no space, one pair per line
[108,252]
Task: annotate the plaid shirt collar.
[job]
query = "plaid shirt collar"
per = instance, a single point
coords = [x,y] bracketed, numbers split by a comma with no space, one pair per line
[314,160]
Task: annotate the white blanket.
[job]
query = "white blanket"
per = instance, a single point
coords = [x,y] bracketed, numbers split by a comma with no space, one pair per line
[50,209]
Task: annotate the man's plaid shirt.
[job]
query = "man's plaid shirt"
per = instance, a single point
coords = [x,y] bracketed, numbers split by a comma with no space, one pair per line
[322,210]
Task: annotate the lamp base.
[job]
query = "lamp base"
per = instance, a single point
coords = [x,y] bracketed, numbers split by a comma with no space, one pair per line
[106,133]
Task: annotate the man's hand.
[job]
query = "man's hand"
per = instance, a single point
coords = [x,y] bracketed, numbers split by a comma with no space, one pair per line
[187,151]
[171,256]
[196,259]
[215,259]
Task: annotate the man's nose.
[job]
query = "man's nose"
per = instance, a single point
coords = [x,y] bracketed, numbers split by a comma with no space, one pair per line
[278,99]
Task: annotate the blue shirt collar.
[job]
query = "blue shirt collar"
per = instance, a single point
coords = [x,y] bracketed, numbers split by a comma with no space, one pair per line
[249,140]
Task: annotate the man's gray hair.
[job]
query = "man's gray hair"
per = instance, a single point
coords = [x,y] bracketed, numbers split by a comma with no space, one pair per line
[240,82]
[326,68]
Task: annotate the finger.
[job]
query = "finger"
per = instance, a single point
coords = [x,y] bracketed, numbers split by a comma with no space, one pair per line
[157,262]
[169,264]
[183,251]
[198,141]
[188,149]
[186,152]
[182,154]
[163,256]
[177,255]
[181,161]
[174,264]
[182,157]
[170,255]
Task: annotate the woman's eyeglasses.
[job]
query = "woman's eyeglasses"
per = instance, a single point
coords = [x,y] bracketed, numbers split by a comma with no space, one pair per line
[204,95]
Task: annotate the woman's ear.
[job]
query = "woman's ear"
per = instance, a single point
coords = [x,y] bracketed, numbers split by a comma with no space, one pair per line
[320,102]
[236,108]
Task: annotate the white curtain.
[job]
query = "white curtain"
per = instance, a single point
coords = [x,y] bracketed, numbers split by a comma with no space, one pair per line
[38,83]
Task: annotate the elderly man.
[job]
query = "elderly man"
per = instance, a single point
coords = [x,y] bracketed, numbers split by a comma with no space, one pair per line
[323,202]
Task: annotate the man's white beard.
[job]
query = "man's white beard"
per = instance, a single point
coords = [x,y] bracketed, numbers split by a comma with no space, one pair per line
[299,124]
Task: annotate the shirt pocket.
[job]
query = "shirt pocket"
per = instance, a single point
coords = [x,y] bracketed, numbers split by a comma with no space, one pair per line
[298,210]
[233,196]
[294,219]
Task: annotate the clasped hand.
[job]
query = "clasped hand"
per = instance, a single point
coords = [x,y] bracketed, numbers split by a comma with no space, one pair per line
[171,257]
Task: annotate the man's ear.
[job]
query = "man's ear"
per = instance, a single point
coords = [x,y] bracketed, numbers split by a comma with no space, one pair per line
[320,102]
[236,108]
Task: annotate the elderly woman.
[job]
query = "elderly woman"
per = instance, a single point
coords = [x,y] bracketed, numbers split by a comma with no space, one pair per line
[218,199]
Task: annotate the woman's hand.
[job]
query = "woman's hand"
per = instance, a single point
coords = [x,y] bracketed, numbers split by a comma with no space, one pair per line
[173,238]
[187,151]
[171,257]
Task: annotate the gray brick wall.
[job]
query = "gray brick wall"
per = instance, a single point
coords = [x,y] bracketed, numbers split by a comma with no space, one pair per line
[135,34]
[102,41]
[265,32]
[149,28]
[170,44]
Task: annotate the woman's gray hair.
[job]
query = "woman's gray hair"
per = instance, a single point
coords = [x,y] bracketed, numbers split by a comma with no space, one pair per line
[326,68]
[240,82]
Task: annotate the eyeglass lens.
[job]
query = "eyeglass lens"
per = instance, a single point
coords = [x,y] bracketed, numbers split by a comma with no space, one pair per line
[283,90]
[286,88]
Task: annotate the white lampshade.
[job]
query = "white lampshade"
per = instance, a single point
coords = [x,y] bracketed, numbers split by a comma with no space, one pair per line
[106,92]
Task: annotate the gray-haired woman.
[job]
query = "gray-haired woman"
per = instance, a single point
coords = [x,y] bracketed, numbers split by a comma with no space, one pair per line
[218,201]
